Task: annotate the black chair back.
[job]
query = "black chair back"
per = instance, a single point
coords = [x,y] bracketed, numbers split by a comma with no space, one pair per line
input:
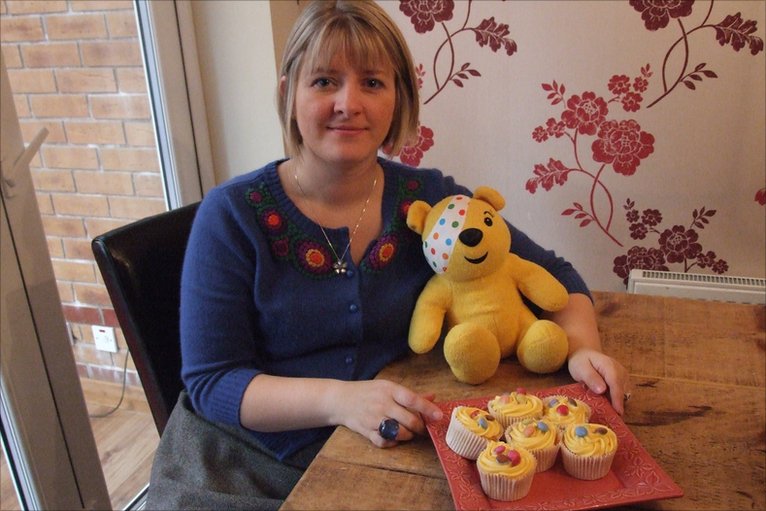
[141,267]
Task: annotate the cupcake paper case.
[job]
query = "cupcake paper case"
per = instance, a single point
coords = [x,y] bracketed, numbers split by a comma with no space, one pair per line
[539,437]
[470,429]
[588,450]
[505,472]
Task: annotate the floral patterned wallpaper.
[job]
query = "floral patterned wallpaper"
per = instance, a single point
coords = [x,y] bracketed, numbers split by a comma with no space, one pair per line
[612,146]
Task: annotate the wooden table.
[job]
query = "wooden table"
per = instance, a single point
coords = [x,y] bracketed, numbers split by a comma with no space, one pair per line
[699,370]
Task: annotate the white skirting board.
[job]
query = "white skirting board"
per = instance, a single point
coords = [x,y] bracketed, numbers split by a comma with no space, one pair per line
[698,286]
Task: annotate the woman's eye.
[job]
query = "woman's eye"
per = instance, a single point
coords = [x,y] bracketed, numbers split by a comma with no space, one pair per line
[374,83]
[321,82]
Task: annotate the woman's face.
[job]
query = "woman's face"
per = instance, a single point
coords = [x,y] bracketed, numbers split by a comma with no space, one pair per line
[343,113]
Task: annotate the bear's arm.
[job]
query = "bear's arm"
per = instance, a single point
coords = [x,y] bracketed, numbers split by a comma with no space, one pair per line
[537,284]
[428,316]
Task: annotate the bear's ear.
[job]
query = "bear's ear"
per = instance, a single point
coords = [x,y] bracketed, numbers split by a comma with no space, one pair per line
[417,214]
[491,196]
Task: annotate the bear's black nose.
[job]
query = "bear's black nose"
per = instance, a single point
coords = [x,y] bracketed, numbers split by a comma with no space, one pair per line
[471,237]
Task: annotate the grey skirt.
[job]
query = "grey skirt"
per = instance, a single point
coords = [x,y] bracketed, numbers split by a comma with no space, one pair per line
[204,465]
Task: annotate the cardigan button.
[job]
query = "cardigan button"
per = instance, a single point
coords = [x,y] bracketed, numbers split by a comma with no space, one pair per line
[353,308]
[349,360]
[349,273]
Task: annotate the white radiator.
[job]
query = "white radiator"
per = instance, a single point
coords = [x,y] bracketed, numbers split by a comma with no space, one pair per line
[693,285]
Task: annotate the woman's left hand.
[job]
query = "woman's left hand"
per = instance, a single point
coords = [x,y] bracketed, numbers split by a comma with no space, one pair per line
[600,373]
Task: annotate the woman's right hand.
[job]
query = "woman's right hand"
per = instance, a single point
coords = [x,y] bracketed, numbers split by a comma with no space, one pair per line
[362,405]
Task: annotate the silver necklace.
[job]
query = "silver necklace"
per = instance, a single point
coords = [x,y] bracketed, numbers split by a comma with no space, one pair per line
[340,266]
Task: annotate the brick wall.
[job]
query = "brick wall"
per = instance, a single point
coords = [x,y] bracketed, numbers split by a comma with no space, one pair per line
[75,68]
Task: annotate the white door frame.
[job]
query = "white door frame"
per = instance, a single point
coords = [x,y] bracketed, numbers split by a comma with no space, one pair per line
[42,408]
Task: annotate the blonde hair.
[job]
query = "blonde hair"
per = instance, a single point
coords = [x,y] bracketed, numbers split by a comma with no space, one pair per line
[363,33]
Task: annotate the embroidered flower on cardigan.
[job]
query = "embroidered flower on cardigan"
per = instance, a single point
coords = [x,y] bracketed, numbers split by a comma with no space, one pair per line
[313,257]
[280,248]
[383,252]
[273,221]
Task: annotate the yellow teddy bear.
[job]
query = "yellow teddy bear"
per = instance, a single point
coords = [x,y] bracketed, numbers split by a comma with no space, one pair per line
[478,286]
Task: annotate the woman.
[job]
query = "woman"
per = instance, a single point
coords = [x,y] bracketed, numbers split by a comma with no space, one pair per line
[300,278]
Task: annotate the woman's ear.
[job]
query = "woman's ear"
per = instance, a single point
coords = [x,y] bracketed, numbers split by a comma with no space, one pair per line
[282,85]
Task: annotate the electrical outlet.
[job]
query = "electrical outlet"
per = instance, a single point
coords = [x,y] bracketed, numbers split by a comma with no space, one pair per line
[104,338]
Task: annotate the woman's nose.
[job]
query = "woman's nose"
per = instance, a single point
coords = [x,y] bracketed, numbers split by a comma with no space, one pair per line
[348,100]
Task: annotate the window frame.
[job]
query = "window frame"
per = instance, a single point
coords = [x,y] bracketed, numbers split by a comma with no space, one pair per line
[166,32]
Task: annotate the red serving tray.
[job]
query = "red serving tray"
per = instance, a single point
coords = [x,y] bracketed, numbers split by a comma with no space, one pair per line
[634,477]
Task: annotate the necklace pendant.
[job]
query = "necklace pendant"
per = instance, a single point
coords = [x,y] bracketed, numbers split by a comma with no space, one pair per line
[339,267]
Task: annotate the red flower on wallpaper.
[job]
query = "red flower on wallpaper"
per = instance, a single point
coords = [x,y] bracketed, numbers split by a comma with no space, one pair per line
[622,144]
[585,113]
[627,92]
[540,134]
[641,258]
[619,84]
[706,260]
[760,196]
[657,13]
[638,231]
[677,245]
[641,83]
[651,217]
[554,128]
[426,14]
[413,154]
[631,102]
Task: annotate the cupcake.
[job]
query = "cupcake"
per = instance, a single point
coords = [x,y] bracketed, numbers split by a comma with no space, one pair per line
[469,430]
[505,472]
[539,437]
[510,408]
[564,410]
[588,450]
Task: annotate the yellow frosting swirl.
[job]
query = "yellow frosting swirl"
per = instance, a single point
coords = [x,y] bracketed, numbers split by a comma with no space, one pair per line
[479,421]
[532,434]
[590,439]
[497,458]
[516,404]
[563,410]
